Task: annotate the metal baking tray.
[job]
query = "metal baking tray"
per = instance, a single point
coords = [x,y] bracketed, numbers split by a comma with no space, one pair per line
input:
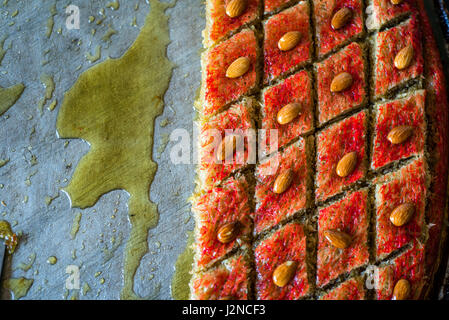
[46,229]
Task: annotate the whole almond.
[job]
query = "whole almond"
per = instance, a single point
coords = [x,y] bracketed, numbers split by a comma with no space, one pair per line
[284,273]
[401,290]
[288,113]
[338,238]
[402,214]
[283,181]
[227,147]
[404,57]
[341,82]
[289,40]
[341,18]
[235,8]
[347,164]
[400,134]
[238,68]
[228,232]
[396,1]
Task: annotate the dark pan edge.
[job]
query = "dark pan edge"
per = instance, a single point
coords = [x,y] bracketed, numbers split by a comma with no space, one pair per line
[437,11]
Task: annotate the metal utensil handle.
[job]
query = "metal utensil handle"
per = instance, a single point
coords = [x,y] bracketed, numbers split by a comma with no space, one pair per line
[2,256]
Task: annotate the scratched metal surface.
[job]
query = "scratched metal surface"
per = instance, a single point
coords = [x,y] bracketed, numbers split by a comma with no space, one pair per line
[46,228]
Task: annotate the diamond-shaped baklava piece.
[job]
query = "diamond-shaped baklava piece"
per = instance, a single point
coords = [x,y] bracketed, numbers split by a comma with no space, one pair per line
[236,121]
[218,88]
[349,216]
[334,145]
[286,246]
[337,23]
[278,62]
[227,281]
[404,190]
[384,12]
[341,82]
[227,205]
[273,206]
[393,118]
[408,267]
[405,40]
[220,24]
[296,89]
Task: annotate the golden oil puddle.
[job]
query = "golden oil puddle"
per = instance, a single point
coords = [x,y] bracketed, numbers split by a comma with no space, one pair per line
[3,162]
[113,106]
[2,50]
[107,36]
[51,21]
[25,266]
[52,260]
[114,5]
[94,57]
[19,287]
[86,288]
[75,225]
[9,96]
[180,289]
[49,85]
